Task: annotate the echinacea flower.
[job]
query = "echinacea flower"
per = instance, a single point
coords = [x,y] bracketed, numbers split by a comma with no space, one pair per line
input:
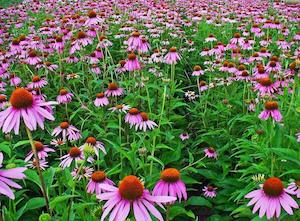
[130,194]
[197,71]
[270,198]
[145,123]
[74,154]
[5,179]
[135,41]
[114,90]
[210,152]
[133,117]
[67,131]
[172,57]
[184,136]
[37,82]
[132,64]
[120,108]
[209,191]
[295,188]
[43,164]
[97,178]
[271,110]
[101,100]
[298,137]
[33,59]
[95,144]
[79,173]
[266,86]
[93,19]
[24,106]
[41,149]
[64,96]
[170,184]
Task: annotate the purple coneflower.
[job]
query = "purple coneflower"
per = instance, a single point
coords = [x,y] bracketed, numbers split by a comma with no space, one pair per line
[33,59]
[132,64]
[266,86]
[43,164]
[145,123]
[64,96]
[96,145]
[114,90]
[120,108]
[5,179]
[271,110]
[184,136]
[197,71]
[209,191]
[37,82]
[97,178]
[133,117]
[41,149]
[295,188]
[270,198]
[172,57]
[67,131]
[74,154]
[170,184]
[24,106]
[93,19]
[210,152]
[79,173]
[101,100]
[130,194]
[14,80]
[135,41]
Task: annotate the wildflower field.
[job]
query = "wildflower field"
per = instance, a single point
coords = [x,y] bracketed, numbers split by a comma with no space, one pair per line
[121,110]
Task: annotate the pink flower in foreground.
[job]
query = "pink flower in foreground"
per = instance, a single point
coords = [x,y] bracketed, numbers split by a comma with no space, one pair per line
[271,110]
[93,19]
[172,57]
[74,154]
[210,152]
[101,100]
[197,71]
[98,177]
[170,184]
[41,149]
[5,179]
[145,123]
[114,90]
[270,198]
[67,131]
[133,117]
[131,194]
[135,41]
[37,82]
[96,145]
[209,191]
[132,64]
[64,97]
[24,106]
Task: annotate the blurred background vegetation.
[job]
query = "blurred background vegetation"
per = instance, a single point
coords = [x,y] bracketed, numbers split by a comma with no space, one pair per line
[7,3]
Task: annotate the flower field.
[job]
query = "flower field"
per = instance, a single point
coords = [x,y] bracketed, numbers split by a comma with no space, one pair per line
[120,110]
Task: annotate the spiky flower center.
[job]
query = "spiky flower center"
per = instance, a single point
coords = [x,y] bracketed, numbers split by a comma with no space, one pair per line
[119,106]
[98,176]
[144,116]
[211,150]
[261,70]
[210,188]
[81,35]
[2,98]
[170,175]
[135,34]
[131,188]
[173,49]
[112,86]
[131,57]
[237,35]
[245,73]
[21,98]
[38,146]
[92,14]
[197,68]
[273,186]
[32,54]
[100,95]
[241,67]
[64,125]
[263,50]
[265,81]
[63,92]
[133,111]
[272,64]
[74,152]
[36,78]
[271,105]
[202,83]
[91,140]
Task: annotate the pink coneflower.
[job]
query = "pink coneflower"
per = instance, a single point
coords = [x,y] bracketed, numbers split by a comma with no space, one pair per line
[72,59]
[57,142]
[96,69]
[59,44]
[265,86]
[114,90]
[41,149]
[170,184]
[64,96]
[83,39]
[121,66]
[15,47]
[37,82]
[101,100]
[145,123]
[96,145]
[132,63]
[274,65]
[130,194]
[269,199]
[120,108]
[80,173]
[172,57]
[133,117]
[264,53]
[298,137]
[92,58]
[197,71]
[50,66]
[5,179]
[135,41]
[3,101]
[295,188]
[203,86]
[210,152]
[271,110]
[43,164]
[237,39]
[103,43]
[145,46]
[93,19]
[184,136]
[209,191]
[255,57]
[33,59]
[24,106]
[67,131]
[260,72]
[74,154]
[210,38]
[97,178]
[14,80]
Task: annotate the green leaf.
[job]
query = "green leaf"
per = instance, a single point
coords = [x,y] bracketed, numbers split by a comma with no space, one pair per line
[177,210]
[32,176]
[60,199]
[21,143]
[199,201]
[35,203]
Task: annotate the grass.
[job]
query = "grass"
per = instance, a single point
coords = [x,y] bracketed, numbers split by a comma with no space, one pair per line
[7,3]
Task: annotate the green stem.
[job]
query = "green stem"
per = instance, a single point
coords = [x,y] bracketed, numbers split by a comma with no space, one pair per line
[43,185]
[192,164]
[168,212]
